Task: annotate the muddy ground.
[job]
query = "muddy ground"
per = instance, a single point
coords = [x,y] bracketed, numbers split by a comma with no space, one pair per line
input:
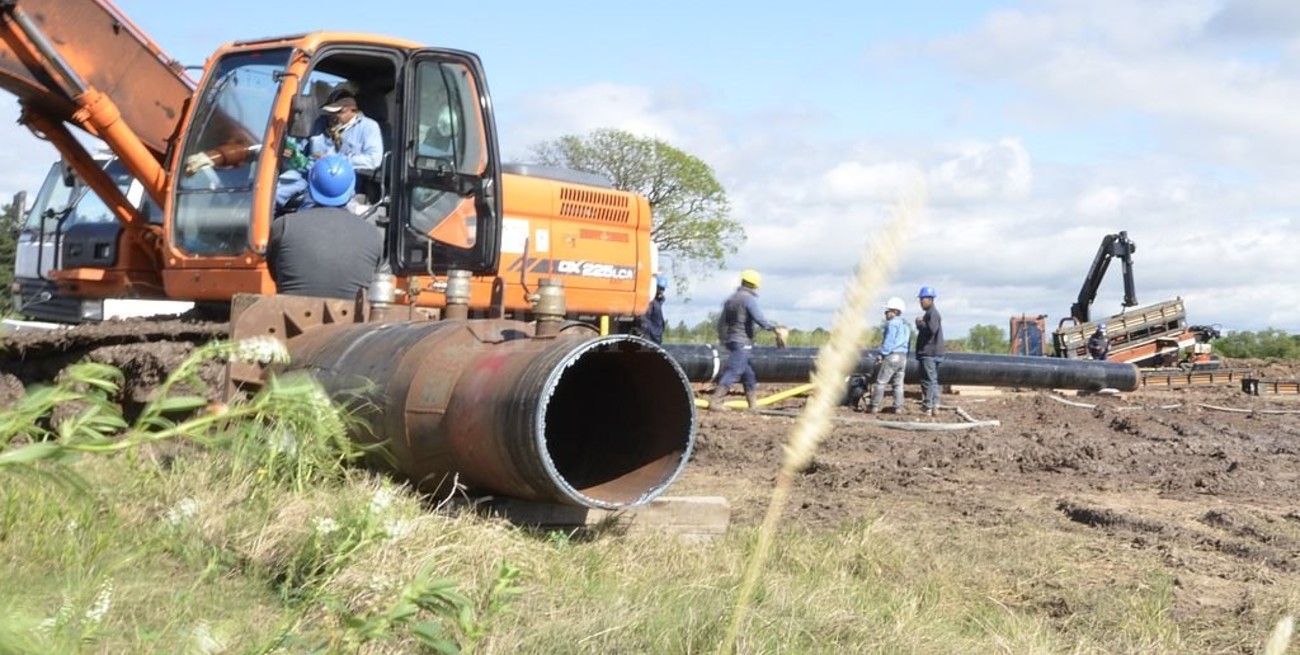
[1188,475]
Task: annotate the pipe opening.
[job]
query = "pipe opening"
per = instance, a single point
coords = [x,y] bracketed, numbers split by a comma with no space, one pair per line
[619,423]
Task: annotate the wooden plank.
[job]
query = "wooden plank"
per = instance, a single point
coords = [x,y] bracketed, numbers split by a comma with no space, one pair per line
[973,390]
[692,517]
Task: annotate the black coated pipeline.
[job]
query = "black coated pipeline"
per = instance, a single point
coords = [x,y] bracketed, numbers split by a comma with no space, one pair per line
[702,362]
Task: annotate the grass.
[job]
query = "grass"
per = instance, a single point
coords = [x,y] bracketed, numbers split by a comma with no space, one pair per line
[244,529]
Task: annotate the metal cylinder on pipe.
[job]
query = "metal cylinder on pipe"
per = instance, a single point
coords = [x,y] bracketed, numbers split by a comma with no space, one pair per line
[603,422]
[701,362]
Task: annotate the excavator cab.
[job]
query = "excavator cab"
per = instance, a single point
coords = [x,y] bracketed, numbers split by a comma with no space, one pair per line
[435,189]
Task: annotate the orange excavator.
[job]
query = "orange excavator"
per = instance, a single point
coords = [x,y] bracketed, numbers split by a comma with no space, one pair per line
[476,369]
[82,63]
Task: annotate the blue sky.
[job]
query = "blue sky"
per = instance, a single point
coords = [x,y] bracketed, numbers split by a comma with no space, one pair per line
[1039,127]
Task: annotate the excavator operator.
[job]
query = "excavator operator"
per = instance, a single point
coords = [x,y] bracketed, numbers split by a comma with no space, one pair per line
[325,250]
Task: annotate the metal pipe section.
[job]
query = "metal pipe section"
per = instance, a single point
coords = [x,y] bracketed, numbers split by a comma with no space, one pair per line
[604,422]
[702,362]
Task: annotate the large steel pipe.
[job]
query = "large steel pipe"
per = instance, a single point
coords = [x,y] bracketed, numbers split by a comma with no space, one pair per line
[701,362]
[605,422]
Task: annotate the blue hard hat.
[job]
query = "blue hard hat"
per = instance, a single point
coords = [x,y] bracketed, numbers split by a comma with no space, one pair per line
[926,292]
[661,282]
[331,181]
[1101,326]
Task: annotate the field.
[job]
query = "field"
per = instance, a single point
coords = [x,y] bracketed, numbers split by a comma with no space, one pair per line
[1158,521]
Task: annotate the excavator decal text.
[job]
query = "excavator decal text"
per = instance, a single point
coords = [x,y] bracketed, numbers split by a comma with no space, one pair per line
[578,268]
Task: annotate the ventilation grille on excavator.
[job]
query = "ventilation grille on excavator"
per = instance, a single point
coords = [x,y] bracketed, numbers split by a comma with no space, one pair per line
[594,205]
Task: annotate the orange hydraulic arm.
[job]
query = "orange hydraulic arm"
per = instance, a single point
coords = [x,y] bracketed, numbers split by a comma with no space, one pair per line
[81,62]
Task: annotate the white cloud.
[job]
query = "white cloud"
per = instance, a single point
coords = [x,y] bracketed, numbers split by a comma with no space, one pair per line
[981,171]
[856,181]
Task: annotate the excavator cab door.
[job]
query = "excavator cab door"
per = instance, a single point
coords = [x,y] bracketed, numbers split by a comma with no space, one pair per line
[446,199]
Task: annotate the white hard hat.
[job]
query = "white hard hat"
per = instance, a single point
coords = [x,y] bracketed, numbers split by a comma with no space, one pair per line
[896,304]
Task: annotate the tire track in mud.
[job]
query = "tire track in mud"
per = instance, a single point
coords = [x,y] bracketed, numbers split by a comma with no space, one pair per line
[1229,533]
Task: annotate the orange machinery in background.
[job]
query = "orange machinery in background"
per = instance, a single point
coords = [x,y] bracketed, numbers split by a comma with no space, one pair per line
[448,205]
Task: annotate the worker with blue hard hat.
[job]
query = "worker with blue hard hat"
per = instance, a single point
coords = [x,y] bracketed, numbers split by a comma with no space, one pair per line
[325,250]
[652,321]
[929,349]
[1098,343]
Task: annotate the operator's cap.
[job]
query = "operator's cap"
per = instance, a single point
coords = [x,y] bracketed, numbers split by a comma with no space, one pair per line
[339,104]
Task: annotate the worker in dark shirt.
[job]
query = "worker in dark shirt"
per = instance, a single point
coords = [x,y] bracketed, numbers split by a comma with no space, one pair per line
[325,251]
[1098,344]
[652,322]
[740,314]
[929,350]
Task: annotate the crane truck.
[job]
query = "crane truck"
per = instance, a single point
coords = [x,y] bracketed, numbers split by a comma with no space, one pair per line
[471,378]
[1154,335]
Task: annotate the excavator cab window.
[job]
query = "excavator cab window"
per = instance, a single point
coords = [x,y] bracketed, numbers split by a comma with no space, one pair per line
[214,191]
[448,196]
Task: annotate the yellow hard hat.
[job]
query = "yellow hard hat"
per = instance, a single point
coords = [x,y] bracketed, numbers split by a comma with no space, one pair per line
[751,277]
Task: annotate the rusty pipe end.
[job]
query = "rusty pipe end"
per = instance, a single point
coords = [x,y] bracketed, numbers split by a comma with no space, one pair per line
[615,424]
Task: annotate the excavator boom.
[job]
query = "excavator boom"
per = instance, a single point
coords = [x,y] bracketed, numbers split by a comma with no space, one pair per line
[50,47]
[83,63]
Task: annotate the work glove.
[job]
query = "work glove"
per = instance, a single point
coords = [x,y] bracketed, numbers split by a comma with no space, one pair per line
[782,334]
[197,162]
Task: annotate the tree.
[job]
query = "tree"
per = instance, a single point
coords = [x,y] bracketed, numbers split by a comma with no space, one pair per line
[692,221]
[1265,344]
[987,339]
[8,250]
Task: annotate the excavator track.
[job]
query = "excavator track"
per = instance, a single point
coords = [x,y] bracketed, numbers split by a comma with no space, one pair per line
[145,350]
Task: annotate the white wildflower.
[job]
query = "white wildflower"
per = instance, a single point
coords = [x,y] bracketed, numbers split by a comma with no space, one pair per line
[203,641]
[103,601]
[260,350]
[60,616]
[185,510]
[381,501]
[380,583]
[398,528]
[325,525]
[71,526]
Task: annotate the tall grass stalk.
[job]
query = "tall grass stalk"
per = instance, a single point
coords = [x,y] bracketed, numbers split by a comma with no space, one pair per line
[849,333]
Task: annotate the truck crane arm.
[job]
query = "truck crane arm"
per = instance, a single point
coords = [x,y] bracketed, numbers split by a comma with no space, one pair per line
[1113,245]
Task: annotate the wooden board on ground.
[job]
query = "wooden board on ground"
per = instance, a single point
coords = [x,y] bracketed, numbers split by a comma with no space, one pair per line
[973,390]
[692,517]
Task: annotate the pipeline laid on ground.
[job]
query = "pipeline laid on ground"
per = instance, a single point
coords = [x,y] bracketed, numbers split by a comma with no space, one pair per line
[605,422]
[702,362]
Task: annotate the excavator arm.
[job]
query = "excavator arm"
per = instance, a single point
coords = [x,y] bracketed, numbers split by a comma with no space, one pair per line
[1113,245]
[82,63]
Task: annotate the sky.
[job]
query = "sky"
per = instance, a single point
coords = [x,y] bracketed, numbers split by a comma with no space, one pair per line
[1037,127]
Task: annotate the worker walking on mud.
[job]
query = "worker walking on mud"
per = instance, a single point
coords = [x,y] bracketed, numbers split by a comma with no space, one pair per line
[740,314]
[893,357]
[929,350]
[325,251]
[1098,344]
[652,322]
